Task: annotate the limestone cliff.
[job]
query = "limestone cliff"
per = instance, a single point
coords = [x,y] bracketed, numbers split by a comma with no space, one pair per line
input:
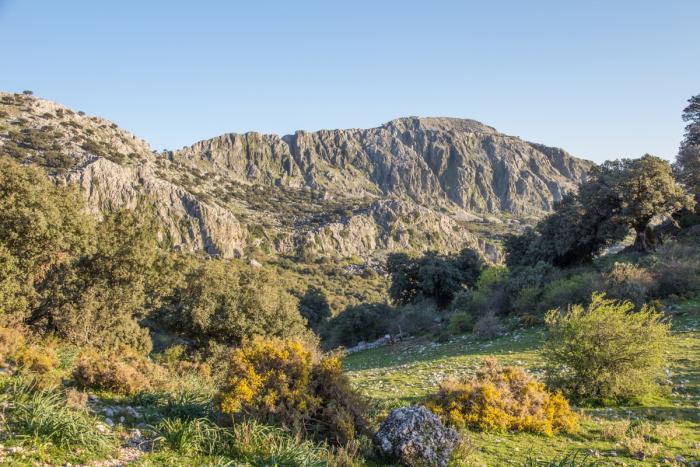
[411,184]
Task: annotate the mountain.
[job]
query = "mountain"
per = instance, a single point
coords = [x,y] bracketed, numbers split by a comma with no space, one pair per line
[410,184]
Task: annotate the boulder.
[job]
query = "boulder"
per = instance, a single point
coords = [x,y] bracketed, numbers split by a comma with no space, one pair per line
[415,436]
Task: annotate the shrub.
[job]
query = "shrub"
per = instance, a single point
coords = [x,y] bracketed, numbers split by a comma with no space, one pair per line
[502,398]
[461,322]
[313,306]
[126,376]
[606,352]
[676,276]
[416,318]
[626,281]
[33,358]
[283,382]
[488,326]
[576,289]
[364,322]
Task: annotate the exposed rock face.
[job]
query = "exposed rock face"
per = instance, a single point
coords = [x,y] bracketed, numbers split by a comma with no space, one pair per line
[416,437]
[431,161]
[412,184]
[189,223]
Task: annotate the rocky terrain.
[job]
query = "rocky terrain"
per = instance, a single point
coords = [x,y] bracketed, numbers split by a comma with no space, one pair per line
[410,184]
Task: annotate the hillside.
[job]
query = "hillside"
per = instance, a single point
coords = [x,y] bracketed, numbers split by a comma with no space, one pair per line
[411,184]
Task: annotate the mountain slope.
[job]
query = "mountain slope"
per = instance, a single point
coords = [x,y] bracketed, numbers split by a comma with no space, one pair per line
[411,184]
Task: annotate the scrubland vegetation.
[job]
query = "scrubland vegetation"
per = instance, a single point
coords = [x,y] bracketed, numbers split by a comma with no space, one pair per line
[113,346]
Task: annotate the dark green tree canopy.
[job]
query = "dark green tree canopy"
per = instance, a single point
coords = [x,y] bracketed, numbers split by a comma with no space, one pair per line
[432,276]
[618,196]
[313,306]
[688,159]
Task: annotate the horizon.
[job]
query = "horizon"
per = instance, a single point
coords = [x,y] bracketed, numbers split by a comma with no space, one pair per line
[599,81]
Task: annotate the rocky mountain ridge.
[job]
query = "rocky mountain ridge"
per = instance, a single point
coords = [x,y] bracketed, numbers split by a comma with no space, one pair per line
[411,184]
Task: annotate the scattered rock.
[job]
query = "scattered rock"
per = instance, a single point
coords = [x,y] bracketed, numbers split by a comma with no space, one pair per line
[109,422]
[415,436]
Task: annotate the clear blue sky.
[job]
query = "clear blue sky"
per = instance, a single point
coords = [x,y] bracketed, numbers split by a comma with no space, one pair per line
[602,79]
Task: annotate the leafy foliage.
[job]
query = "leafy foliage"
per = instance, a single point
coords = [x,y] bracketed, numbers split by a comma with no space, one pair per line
[42,226]
[688,159]
[313,306]
[606,352]
[227,301]
[618,196]
[431,276]
[364,322]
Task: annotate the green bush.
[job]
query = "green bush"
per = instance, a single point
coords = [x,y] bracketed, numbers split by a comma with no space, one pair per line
[313,306]
[606,352]
[461,322]
[416,319]
[626,281]
[575,289]
[364,322]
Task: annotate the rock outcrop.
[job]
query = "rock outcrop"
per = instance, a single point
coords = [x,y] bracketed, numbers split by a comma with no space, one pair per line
[412,184]
[431,161]
[415,436]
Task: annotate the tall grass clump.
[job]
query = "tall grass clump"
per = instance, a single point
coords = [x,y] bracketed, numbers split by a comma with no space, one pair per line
[247,443]
[44,415]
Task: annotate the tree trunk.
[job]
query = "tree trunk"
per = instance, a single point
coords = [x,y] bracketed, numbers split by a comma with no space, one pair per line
[645,240]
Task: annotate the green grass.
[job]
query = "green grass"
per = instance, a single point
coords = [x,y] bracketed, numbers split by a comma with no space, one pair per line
[43,427]
[407,372]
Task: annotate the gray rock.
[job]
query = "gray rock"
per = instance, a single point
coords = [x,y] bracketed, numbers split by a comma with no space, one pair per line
[415,436]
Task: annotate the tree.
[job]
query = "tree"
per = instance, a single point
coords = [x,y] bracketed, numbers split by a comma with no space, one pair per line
[313,306]
[363,322]
[98,299]
[645,188]
[432,276]
[688,159]
[42,225]
[618,196]
[227,301]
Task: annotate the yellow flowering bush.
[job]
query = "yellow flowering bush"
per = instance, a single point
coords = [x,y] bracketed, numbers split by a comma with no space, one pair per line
[502,398]
[37,358]
[284,381]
